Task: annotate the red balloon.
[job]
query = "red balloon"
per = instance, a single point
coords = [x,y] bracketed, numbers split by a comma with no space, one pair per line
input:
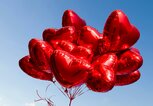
[68,70]
[129,61]
[103,45]
[83,53]
[135,50]
[89,38]
[70,18]
[118,32]
[37,64]
[31,69]
[78,51]
[66,46]
[127,78]
[102,78]
[40,52]
[53,36]
[48,34]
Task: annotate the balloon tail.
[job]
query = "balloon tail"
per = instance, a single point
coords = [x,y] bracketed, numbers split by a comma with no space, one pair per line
[48,100]
[73,92]
[70,102]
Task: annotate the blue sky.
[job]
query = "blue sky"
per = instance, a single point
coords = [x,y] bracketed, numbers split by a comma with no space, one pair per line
[21,20]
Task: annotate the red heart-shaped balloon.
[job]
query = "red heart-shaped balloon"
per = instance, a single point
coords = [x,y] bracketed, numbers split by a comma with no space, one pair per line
[83,53]
[135,50]
[31,69]
[78,51]
[40,52]
[103,45]
[48,34]
[89,38]
[54,36]
[102,78]
[70,18]
[127,78]
[129,61]
[118,32]
[68,70]
[66,46]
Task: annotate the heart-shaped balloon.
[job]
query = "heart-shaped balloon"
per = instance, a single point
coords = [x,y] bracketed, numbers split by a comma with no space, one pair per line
[103,45]
[40,52]
[68,70]
[89,38]
[127,78]
[118,32]
[66,46]
[129,61]
[102,78]
[48,34]
[31,69]
[70,18]
[54,36]
[135,50]
[78,51]
[83,53]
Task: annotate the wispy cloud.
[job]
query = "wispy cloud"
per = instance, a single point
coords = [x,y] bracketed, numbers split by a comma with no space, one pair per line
[30,104]
[40,103]
[2,102]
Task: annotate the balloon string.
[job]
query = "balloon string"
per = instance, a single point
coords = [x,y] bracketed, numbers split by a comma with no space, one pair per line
[70,102]
[71,93]
[65,93]
[47,87]
[49,102]
[83,92]
[60,90]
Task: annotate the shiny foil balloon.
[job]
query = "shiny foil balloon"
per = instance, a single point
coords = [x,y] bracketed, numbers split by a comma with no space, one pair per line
[129,61]
[69,70]
[37,63]
[48,34]
[89,38]
[102,77]
[32,70]
[54,36]
[40,53]
[70,18]
[118,34]
[78,51]
[127,78]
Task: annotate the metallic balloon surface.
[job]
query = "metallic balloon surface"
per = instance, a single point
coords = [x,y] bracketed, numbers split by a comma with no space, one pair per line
[89,37]
[102,77]
[127,78]
[70,18]
[69,70]
[37,63]
[54,36]
[119,34]
[32,70]
[40,53]
[79,54]
[128,62]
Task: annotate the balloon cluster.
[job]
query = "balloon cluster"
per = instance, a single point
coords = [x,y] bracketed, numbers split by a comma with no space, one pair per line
[78,54]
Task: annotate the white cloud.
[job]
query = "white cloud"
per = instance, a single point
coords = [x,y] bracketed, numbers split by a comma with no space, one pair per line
[2,102]
[30,104]
[40,103]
